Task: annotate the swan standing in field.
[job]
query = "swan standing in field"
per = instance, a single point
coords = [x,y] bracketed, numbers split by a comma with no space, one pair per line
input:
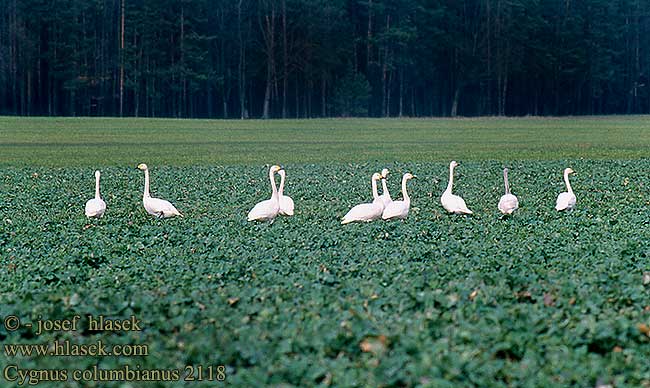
[96,207]
[286,203]
[269,209]
[399,209]
[366,211]
[508,202]
[566,200]
[453,203]
[155,206]
[385,196]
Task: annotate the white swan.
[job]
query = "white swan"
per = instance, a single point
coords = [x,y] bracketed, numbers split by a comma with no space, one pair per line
[566,200]
[366,211]
[96,207]
[155,206]
[286,203]
[385,196]
[399,209]
[269,209]
[508,202]
[453,203]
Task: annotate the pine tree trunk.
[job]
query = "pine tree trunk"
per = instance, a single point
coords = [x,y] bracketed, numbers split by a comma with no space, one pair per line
[241,83]
[285,68]
[323,90]
[268,30]
[183,97]
[122,58]
[454,105]
[401,92]
[368,43]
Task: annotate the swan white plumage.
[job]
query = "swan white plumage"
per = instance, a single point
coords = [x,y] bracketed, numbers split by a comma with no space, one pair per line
[269,209]
[286,203]
[96,207]
[385,196]
[566,200]
[399,209]
[508,202]
[156,206]
[453,203]
[366,211]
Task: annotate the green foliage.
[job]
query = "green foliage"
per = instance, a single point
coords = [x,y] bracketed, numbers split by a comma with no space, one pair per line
[351,95]
[438,300]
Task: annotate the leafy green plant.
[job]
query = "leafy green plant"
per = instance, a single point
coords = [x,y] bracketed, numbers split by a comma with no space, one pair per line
[541,298]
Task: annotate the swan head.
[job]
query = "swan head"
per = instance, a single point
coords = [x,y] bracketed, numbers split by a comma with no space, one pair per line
[453,164]
[142,167]
[568,171]
[275,168]
[384,173]
[408,176]
[505,170]
[97,174]
[282,173]
[376,176]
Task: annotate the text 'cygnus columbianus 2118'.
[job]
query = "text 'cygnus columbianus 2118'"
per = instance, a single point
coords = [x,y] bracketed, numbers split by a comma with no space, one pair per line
[269,209]
[286,203]
[366,211]
[508,202]
[155,206]
[566,200]
[453,203]
[96,207]
[399,209]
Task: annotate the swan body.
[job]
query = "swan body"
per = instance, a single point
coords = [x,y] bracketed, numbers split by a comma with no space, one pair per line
[96,207]
[366,212]
[385,196]
[508,202]
[155,206]
[399,209]
[286,203]
[453,203]
[566,200]
[269,209]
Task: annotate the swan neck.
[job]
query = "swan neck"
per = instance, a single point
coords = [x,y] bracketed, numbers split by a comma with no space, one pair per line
[451,179]
[384,187]
[97,187]
[146,184]
[505,180]
[281,189]
[375,195]
[566,181]
[274,190]
[404,192]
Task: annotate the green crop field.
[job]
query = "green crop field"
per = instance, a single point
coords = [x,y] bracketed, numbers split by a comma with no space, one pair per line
[538,299]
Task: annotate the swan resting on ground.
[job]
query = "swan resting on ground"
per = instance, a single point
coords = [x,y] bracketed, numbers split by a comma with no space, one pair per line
[366,212]
[96,207]
[508,202]
[269,209]
[399,209]
[286,203]
[566,200]
[385,196]
[155,206]
[453,203]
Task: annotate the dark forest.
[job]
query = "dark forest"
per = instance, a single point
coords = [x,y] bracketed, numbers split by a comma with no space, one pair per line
[324,58]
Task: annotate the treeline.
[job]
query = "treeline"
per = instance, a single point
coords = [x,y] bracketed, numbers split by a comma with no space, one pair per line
[320,58]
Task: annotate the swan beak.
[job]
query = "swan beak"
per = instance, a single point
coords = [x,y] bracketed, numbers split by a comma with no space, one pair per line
[415,176]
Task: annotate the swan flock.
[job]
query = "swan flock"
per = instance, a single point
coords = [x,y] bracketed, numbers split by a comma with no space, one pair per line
[381,207]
